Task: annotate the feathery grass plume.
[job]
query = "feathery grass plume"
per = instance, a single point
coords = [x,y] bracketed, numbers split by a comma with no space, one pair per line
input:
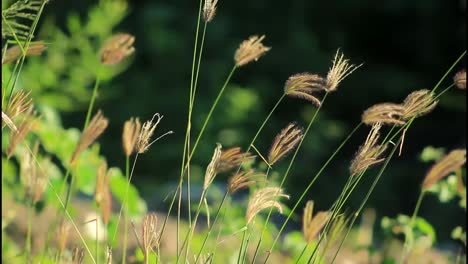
[146,132]
[131,131]
[19,103]
[262,199]
[211,171]
[448,164]
[385,113]
[96,126]
[285,142]
[102,194]
[232,158]
[17,17]
[27,124]
[61,235]
[149,234]
[460,79]
[117,48]
[34,180]
[7,121]
[418,103]
[243,180]
[304,86]
[339,71]
[311,225]
[369,153]
[14,53]
[78,255]
[209,10]
[250,50]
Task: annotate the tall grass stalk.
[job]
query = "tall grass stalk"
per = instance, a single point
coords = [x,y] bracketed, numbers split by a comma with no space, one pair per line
[125,234]
[306,190]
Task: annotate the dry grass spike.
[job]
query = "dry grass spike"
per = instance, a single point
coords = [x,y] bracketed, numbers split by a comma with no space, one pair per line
[19,103]
[209,10]
[305,86]
[131,131]
[232,158]
[460,79]
[311,225]
[250,50]
[14,53]
[117,48]
[385,113]
[210,173]
[96,127]
[418,103]
[147,131]
[262,199]
[339,71]
[149,234]
[369,153]
[243,180]
[448,164]
[102,194]
[27,124]
[285,142]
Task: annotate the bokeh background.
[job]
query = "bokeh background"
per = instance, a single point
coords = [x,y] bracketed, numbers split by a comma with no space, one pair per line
[404,45]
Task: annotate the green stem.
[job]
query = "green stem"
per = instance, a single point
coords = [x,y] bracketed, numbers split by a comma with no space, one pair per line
[124,246]
[91,103]
[448,71]
[28,235]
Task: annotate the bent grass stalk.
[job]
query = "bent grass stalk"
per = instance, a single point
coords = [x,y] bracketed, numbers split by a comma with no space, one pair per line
[289,169]
[309,186]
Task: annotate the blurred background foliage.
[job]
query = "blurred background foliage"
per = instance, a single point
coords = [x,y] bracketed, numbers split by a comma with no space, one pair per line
[404,45]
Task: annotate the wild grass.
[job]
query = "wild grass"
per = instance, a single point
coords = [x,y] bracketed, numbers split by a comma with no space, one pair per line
[253,238]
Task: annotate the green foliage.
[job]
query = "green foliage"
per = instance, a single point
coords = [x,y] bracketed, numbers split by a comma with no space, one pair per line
[18,17]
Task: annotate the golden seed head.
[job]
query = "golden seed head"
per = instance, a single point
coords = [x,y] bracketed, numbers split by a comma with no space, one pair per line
[14,53]
[78,255]
[262,199]
[460,79]
[211,171]
[130,134]
[146,132]
[418,103]
[209,10]
[339,71]
[7,121]
[19,103]
[102,194]
[232,158]
[149,233]
[62,235]
[285,142]
[385,113]
[448,164]
[96,127]
[305,86]
[250,50]
[27,124]
[369,153]
[117,48]
[34,180]
[243,180]
[311,225]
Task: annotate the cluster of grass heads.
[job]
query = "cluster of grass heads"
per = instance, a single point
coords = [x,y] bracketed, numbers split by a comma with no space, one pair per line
[46,167]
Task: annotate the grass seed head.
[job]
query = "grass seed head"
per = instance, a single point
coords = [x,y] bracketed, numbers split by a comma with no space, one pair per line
[62,234]
[209,10]
[96,127]
[448,164]
[305,86]
[311,225]
[117,48]
[232,158]
[14,53]
[102,194]
[243,180]
[370,153]
[262,199]
[460,79]
[130,134]
[20,102]
[418,103]
[147,131]
[149,233]
[211,171]
[285,142]
[385,113]
[27,124]
[250,50]
[340,69]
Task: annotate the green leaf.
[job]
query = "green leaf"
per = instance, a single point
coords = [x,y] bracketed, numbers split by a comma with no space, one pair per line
[118,185]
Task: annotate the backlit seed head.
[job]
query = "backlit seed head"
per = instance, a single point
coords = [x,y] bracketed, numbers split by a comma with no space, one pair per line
[147,131]
[305,86]
[15,52]
[209,10]
[369,153]
[285,142]
[149,233]
[311,225]
[460,79]
[117,48]
[448,164]
[418,103]
[340,69]
[232,158]
[243,180]
[250,50]
[130,134]
[210,173]
[385,113]
[262,199]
